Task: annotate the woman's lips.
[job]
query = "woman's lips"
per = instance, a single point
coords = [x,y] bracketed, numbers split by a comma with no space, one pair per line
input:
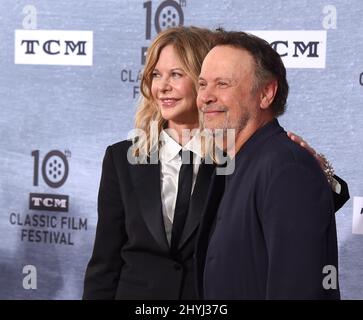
[169,102]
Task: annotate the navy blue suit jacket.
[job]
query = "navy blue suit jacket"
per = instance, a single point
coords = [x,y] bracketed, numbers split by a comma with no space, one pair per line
[268,229]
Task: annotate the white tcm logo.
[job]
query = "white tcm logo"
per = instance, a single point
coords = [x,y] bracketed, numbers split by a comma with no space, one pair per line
[54,47]
[297,49]
[358,215]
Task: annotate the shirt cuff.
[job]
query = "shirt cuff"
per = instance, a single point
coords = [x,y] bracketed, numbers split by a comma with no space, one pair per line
[335,185]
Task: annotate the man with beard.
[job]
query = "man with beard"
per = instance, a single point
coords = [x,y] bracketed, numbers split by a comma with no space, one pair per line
[268,231]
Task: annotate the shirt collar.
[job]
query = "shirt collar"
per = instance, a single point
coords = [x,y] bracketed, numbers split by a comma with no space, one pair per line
[170,148]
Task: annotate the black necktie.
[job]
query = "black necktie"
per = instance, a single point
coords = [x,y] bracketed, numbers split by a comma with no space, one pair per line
[182,200]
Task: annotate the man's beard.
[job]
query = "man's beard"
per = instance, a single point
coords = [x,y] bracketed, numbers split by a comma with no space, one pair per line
[235,124]
[220,126]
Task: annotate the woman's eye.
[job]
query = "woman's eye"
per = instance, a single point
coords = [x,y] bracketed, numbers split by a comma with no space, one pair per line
[154,74]
[176,74]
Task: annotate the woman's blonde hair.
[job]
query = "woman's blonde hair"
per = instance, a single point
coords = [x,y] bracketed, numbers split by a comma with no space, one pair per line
[191,45]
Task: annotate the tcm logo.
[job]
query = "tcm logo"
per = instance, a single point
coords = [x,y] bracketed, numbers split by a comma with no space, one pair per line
[54,168]
[49,202]
[298,49]
[54,47]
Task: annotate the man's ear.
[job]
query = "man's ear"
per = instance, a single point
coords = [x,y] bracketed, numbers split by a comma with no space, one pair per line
[268,93]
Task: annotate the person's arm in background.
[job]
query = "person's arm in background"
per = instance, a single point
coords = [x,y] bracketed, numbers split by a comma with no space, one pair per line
[339,186]
[298,224]
[103,270]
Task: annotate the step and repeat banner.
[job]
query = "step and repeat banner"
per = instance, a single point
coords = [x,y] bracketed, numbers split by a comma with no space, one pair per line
[69,84]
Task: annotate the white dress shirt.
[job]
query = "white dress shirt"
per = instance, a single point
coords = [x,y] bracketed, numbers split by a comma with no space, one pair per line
[337,188]
[170,162]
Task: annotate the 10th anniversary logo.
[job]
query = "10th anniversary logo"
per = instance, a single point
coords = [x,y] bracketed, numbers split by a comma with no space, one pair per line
[46,221]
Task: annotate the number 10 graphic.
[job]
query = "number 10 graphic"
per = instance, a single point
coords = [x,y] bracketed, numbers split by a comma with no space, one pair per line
[54,168]
[168,14]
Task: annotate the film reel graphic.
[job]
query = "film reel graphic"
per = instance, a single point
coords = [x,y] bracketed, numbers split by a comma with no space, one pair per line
[169,14]
[55,169]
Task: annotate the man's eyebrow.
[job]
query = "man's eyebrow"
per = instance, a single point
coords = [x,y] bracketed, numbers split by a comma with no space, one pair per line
[217,79]
[223,78]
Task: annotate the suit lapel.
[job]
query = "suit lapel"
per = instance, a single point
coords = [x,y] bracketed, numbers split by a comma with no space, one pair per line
[146,178]
[197,201]
[213,199]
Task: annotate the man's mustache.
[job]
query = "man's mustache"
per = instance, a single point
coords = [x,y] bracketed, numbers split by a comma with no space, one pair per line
[213,108]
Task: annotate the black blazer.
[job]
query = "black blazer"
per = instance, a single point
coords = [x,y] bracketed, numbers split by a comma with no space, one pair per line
[131,258]
[268,229]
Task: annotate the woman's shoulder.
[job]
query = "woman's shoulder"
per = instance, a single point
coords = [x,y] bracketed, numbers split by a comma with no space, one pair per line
[121,145]
[119,149]
[125,151]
